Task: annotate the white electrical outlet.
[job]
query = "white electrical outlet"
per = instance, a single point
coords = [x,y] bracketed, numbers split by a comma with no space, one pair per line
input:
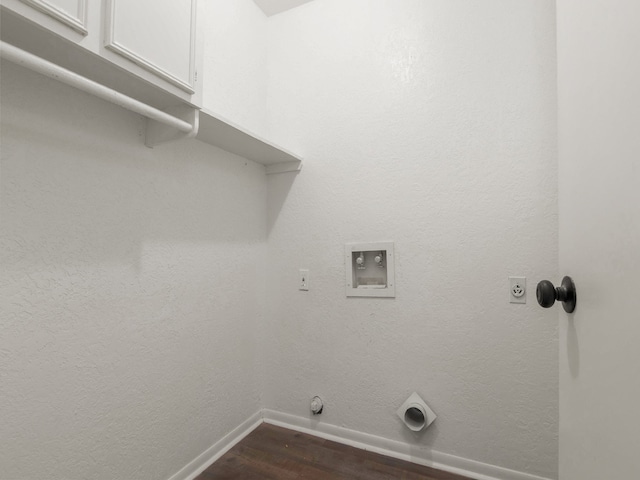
[303,279]
[517,290]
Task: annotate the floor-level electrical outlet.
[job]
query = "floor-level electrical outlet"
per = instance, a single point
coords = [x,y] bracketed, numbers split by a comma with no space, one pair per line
[303,279]
[517,290]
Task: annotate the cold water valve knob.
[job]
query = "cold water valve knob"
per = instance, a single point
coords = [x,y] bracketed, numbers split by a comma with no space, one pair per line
[547,294]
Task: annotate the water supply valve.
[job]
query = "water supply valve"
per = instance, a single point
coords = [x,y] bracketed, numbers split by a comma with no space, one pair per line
[316,405]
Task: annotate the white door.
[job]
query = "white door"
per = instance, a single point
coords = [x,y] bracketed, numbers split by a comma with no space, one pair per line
[599,188]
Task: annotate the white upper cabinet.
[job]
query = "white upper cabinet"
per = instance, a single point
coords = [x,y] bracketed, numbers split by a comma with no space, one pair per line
[158,36]
[151,51]
[153,42]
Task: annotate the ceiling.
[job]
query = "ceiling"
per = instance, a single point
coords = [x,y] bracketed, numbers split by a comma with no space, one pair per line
[272,7]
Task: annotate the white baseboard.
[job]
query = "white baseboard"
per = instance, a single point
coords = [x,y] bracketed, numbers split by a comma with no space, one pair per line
[395,449]
[213,453]
[364,441]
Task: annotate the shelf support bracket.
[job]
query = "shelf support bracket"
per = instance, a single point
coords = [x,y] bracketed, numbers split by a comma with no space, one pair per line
[294,166]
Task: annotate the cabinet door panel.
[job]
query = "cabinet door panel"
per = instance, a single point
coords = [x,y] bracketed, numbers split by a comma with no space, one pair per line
[158,36]
[72,13]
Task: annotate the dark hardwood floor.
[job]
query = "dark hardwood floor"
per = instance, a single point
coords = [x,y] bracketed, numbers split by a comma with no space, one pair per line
[271,452]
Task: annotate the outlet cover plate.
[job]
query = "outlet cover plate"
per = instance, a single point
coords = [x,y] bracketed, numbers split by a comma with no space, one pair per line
[517,290]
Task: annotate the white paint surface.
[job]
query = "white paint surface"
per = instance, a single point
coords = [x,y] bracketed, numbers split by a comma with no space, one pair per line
[167,46]
[130,286]
[431,124]
[135,337]
[273,7]
[599,140]
[235,62]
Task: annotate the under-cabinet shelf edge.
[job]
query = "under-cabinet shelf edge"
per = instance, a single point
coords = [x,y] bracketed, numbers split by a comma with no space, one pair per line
[220,132]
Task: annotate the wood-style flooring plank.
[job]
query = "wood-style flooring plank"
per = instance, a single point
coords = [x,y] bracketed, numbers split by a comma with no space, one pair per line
[275,453]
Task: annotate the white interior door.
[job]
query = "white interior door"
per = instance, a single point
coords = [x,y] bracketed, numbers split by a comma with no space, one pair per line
[599,149]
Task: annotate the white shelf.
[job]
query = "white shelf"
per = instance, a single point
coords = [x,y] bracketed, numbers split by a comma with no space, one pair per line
[215,130]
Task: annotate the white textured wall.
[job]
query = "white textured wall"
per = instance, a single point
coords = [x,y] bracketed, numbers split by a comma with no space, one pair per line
[130,283]
[599,158]
[430,124]
[131,280]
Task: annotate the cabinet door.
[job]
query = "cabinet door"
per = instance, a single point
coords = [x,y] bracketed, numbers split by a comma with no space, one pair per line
[157,36]
[72,13]
[59,16]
